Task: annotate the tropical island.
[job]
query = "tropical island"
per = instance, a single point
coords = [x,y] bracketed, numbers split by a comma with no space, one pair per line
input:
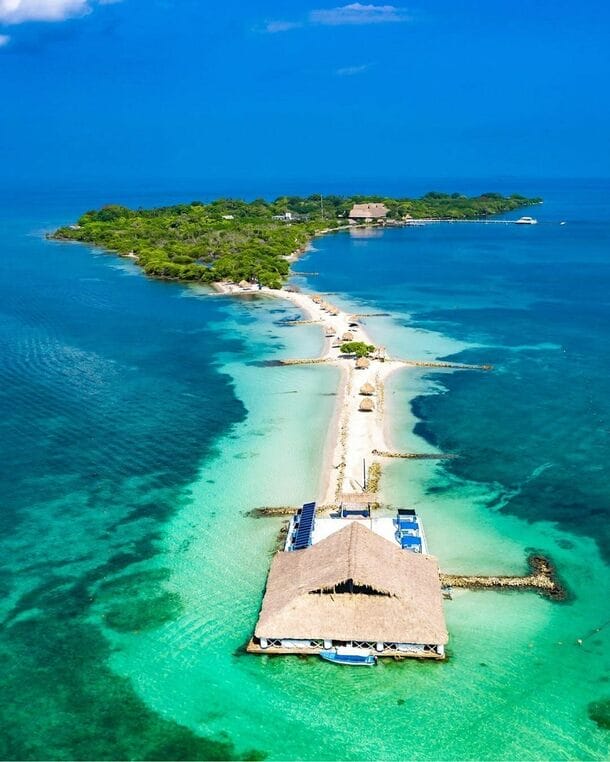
[234,240]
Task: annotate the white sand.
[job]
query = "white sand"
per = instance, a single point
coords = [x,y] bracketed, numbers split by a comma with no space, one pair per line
[354,434]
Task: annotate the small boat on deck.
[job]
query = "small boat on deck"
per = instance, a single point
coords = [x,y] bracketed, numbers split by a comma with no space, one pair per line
[526,221]
[350,656]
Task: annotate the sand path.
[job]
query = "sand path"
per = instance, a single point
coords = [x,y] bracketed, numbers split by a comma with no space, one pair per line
[354,434]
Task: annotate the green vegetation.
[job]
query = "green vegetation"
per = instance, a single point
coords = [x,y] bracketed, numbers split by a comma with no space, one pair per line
[235,240]
[358,348]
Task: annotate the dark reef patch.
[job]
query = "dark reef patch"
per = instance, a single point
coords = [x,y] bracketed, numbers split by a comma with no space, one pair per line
[599,712]
[76,708]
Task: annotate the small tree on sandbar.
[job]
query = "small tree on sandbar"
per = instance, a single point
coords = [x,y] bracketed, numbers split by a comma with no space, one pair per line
[357,348]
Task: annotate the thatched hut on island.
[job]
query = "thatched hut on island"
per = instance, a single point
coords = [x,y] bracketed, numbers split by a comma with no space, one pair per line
[368,212]
[367,405]
[244,284]
[317,299]
[352,321]
[352,587]
[362,363]
[367,389]
[329,332]
[347,336]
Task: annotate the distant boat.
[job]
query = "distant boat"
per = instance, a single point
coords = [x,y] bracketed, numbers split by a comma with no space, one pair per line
[349,656]
[526,221]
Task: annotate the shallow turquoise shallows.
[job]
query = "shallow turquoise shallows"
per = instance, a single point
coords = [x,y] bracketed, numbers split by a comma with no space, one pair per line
[140,422]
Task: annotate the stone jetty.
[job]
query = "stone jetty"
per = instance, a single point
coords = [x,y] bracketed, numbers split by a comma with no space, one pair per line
[300,322]
[415,455]
[542,578]
[305,361]
[450,365]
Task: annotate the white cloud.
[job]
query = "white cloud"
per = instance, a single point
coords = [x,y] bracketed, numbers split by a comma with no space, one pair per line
[281,26]
[358,13]
[352,14]
[350,71]
[4,40]
[20,11]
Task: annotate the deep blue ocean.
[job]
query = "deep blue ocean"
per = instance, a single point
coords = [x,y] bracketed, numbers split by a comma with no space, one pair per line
[115,396]
[109,400]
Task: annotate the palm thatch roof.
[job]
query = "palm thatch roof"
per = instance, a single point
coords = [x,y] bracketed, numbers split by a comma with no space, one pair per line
[362,362]
[367,389]
[317,299]
[368,211]
[353,585]
[347,336]
[329,331]
[244,284]
[367,405]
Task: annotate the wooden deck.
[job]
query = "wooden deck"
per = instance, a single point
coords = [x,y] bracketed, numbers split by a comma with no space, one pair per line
[255,648]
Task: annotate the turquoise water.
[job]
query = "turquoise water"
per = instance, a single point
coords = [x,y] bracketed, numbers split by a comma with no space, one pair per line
[139,425]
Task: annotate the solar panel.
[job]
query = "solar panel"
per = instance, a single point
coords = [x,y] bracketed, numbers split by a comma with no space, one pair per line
[406,512]
[303,535]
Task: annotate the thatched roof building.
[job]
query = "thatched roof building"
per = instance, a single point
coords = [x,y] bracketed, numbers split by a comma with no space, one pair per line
[347,336]
[367,389]
[353,586]
[368,212]
[367,405]
[362,363]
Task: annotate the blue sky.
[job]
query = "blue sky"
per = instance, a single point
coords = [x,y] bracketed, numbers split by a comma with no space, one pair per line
[317,89]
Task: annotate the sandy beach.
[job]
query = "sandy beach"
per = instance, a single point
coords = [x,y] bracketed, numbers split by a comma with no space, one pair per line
[353,434]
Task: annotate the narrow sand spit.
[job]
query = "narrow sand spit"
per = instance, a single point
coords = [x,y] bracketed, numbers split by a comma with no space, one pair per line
[354,434]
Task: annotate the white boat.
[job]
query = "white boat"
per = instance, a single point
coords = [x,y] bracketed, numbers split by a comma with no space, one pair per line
[349,656]
[526,221]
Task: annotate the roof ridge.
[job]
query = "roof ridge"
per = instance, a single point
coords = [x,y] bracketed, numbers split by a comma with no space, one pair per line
[351,551]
